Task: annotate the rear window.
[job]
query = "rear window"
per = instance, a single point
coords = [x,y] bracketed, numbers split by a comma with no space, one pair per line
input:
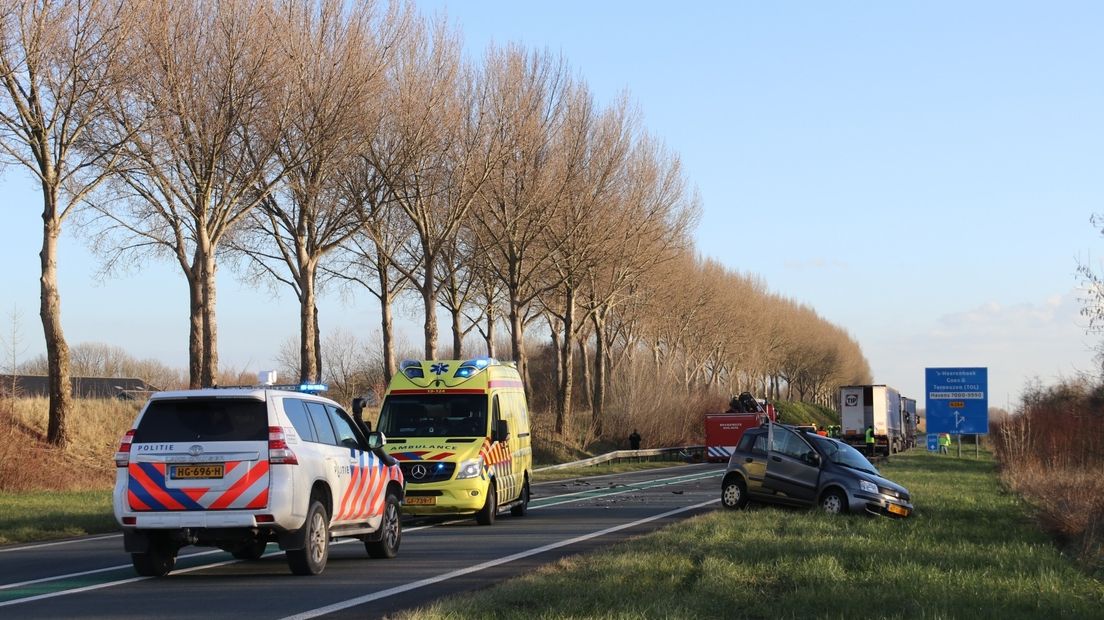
[203,419]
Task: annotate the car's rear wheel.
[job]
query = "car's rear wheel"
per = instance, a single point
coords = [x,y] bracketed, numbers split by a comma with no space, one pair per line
[158,560]
[487,514]
[734,493]
[311,559]
[834,503]
[390,531]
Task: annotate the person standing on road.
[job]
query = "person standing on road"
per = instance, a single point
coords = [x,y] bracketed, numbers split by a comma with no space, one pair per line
[944,443]
[634,440]
[870,440]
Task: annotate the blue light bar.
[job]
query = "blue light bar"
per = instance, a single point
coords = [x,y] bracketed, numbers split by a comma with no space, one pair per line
[313,387]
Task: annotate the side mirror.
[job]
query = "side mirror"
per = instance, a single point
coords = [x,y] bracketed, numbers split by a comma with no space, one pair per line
[812,458]
[501,431]
[376,440]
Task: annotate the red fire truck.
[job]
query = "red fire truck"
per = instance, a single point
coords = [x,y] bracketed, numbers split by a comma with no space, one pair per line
[723,430]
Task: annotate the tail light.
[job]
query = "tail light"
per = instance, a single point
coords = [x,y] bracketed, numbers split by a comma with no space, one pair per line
[278,451]
[122,455]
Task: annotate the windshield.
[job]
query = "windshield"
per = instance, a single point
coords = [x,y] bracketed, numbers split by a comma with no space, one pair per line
[434,415]
[843,454]
[203,419]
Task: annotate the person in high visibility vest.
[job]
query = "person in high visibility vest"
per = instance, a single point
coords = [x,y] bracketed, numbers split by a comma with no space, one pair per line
[870,440]
[944,442]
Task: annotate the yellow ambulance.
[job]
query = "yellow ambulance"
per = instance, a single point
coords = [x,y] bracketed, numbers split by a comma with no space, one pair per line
[460,431]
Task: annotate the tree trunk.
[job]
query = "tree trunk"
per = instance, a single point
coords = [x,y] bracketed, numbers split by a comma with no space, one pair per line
[599,372]
[317,344]
[457,335]
[57,350]
[308,333]
[387,328]
[588,379]
[490,330]
[195,328]
[567,370]
[210,324]
[556,369]
[517,334]
[430,304]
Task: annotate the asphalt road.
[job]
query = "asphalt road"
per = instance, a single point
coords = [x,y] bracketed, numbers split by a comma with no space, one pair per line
[92,577]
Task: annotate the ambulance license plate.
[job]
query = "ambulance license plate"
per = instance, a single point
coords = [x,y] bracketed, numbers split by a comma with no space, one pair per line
[421,501]
[898,510]
[207,471]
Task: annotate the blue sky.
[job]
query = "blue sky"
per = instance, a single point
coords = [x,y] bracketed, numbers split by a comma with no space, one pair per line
[921,173]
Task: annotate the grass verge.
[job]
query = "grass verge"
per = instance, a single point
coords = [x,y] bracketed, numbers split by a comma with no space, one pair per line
[970,550]
[36,516]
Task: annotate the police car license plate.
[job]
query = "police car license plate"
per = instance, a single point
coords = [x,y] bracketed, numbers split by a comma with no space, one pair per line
[421,501]
[898,510]
[196,472]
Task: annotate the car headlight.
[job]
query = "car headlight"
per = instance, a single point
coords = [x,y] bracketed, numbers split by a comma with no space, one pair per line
[868,487]
[472,468]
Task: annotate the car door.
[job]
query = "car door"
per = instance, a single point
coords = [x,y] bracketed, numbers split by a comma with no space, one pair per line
[755,459]
[792,465]
[362,497]
[337,469]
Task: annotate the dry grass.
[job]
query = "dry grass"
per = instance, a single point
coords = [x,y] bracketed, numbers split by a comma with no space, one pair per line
[1069,503]
[1052,453]
[28,463]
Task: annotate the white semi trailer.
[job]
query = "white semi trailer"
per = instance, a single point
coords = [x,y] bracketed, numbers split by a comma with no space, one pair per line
[879,406]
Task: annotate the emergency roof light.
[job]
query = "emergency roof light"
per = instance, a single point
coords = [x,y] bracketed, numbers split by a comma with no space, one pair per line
[472,366]
[412,369]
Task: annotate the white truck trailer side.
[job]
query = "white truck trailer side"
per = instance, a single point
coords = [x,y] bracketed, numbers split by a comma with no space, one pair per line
[862,406]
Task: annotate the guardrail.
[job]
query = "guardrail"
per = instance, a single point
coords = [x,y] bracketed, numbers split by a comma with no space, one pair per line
[684,453]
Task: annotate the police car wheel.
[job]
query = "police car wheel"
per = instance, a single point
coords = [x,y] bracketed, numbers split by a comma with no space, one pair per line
[390,531]
[251,550]
[158,561]
[487,514]
[833,503]
[521,509]
[734,494]
[311,559]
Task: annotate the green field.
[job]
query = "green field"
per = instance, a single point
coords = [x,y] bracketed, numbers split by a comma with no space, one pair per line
[971,550]
[28,517]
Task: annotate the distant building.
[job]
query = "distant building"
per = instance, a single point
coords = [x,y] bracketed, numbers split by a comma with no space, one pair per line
[122,388]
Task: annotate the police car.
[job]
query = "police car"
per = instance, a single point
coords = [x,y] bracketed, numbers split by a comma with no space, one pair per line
[240,468]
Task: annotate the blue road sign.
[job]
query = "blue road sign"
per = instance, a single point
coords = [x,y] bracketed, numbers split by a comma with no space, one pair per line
[933,442]
[957,400]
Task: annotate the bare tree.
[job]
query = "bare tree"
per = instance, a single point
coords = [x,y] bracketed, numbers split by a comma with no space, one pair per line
[527,102]
[203,110]
[438,155]
[58,60]
[337,57]
[649,220]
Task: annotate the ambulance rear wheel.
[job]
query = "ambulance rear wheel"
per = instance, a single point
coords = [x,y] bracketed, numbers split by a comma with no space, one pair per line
[390,531]
[158,560]
[487,514]
[523,507]
[311,559]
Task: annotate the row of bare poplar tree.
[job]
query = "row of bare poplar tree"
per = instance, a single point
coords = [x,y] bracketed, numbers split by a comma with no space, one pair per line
[314,141]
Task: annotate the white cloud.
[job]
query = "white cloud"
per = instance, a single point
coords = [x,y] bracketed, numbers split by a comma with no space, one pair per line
[1042,339]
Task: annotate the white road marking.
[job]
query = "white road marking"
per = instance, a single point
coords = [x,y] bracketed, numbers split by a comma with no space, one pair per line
[590,494]
[563,480]
[375,596]
[133,579]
